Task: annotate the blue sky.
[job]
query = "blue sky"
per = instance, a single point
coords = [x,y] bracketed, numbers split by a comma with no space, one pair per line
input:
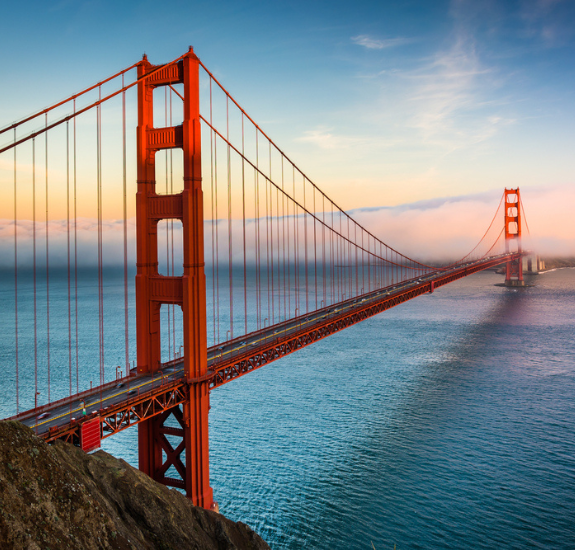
[380,103]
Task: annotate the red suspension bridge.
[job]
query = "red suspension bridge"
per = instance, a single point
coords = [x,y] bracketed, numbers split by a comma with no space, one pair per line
[260,261]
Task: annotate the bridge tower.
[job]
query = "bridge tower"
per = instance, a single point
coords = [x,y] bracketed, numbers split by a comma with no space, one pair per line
[514,269]
[190,457]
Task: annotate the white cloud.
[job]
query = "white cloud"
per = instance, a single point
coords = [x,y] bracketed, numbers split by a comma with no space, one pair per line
[379,44]
[325,139]
[454,100]
[447,88]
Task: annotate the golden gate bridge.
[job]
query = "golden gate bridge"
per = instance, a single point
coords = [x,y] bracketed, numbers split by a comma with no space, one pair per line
[241,239]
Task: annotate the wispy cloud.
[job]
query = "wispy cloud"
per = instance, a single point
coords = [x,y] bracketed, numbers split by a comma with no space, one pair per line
[379,44]
[451,99]
[447,87]
[325,139]
[455,96]
[548,20]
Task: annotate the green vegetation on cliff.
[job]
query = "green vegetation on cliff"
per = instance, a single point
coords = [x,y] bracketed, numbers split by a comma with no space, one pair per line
[58,497]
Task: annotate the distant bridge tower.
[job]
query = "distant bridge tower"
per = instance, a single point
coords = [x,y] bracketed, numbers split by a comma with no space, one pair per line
[514,269]
[190,458]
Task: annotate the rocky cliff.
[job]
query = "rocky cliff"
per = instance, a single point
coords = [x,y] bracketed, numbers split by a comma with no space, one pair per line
[54,497]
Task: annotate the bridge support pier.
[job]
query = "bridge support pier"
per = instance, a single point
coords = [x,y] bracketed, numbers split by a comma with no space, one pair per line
[184,465]
[174,439]
[514,268]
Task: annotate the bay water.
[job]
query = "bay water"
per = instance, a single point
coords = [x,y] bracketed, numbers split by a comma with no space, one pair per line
[446,422]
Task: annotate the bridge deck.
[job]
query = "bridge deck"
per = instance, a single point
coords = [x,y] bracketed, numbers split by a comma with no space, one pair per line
[128,401]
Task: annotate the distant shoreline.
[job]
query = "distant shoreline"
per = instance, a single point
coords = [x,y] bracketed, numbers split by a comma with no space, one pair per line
[557,269]
[557,263]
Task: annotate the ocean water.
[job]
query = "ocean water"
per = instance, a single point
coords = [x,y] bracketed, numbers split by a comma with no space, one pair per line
[446,422]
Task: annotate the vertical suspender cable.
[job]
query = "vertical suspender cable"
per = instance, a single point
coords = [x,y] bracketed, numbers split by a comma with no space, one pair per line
[212,144]
[305,249]
[229,170]
[382,266]
[267,251]
[100,219]
[47,270]
[16,280]
[387,282]
[35,272]
[341,258]
[344,265]
[68,253]
[347,254]
[314,246]
[98,206]
[295,244]
[349,260]
[125,223]
[271,239]
[278,248]
[356,260]
[173,306]
[76,262]
[257,207]
[337,257]
[288,314]
[331,257]
[362,262]
[256,247]
[348,263]
[284,239]
[217,251]
[167,230]
[323,252]
[256,260]
[270,246]
[244,227]
[368,266]
[272,319]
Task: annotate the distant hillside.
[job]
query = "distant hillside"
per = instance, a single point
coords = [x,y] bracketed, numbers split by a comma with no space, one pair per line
[57,497]
[554,263]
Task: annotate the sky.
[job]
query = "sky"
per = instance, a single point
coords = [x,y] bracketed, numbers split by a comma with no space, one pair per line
[415,107]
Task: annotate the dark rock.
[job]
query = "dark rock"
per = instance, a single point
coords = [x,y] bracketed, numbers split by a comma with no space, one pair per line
[59,497]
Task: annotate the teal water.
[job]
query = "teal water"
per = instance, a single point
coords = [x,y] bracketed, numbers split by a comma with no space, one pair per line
[446,422]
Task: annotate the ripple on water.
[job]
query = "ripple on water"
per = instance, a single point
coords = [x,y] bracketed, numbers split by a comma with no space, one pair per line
[447,422]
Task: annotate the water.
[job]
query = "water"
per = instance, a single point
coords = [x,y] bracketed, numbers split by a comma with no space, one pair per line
[447,422]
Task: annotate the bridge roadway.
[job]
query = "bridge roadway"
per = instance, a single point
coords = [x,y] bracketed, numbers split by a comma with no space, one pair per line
[127,401]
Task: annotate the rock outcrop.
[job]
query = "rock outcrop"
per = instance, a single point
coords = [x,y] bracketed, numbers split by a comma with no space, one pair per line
[57,497]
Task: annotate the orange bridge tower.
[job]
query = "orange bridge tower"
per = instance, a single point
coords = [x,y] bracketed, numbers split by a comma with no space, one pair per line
[514,269]
[190,457]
